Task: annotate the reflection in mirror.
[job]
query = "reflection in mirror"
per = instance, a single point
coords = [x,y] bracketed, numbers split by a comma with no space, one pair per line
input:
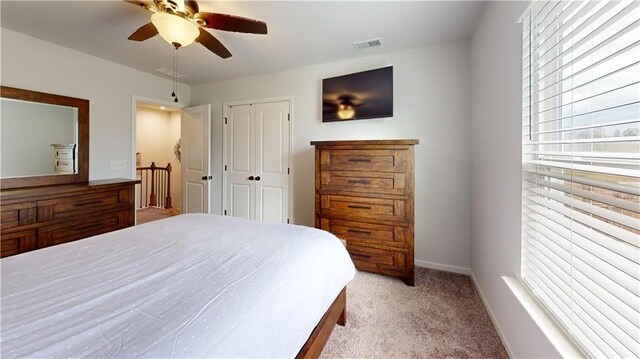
[44,139]
[28,132]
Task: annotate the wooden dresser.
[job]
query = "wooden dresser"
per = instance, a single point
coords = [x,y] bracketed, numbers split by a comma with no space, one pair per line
[364,195]
[38,217]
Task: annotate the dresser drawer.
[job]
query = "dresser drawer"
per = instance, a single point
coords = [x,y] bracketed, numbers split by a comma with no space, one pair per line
[363,182]
[70,206]
[363,160]
[17,242]
[376,259]
[82,228]
[360,232]
[62,165]
[65,153]
[363,208]
[18,214]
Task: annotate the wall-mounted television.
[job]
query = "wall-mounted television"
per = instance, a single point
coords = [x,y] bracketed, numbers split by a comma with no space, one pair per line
[358,96]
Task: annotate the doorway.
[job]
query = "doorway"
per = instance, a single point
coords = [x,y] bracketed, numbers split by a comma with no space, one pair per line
[158,161]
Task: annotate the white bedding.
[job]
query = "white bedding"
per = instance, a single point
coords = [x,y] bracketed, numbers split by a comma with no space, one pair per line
[195,285]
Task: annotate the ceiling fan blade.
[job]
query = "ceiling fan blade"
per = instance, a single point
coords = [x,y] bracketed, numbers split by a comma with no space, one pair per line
[231,23]
[213,44]
[145,32]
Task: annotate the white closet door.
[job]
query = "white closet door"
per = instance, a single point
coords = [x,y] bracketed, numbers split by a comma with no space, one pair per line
[257,161]
[195,131]
[240,187]
[272,162]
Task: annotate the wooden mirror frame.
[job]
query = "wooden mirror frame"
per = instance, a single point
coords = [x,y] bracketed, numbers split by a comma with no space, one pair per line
[83,138]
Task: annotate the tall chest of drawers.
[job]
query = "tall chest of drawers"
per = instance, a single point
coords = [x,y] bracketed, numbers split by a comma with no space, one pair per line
[365,195]
[39,217]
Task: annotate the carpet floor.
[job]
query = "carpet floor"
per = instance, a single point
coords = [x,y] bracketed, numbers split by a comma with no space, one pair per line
[441,317]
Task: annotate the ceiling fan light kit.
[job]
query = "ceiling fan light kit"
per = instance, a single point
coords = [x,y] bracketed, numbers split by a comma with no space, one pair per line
[175,29]
[346,111]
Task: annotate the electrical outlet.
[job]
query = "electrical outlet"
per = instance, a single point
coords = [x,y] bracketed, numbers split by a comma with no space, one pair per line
[117,164]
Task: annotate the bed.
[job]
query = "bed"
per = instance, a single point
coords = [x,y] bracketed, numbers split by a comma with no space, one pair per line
[194,285]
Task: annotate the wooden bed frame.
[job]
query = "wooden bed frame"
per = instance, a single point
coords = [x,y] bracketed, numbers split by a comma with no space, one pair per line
[336,314]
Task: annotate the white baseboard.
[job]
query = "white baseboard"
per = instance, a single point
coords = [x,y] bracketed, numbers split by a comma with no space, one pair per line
[492,316]
[443,267]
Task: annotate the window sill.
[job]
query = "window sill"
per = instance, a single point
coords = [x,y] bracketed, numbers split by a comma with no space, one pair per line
[549,328]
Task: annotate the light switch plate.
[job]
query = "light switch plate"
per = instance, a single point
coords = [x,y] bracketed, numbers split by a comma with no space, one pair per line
[117,164]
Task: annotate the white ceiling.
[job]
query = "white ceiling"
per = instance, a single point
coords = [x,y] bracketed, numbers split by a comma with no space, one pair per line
[300,33]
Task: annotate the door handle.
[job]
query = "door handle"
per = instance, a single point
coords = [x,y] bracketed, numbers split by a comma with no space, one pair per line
[207,178]
[251,178]
[204,178]
[257,178]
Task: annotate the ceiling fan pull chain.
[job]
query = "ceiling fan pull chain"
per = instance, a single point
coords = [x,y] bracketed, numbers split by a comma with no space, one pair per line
[173,83]
[175,74]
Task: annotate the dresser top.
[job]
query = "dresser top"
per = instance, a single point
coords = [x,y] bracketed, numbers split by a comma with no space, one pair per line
[365,142]
[14,193]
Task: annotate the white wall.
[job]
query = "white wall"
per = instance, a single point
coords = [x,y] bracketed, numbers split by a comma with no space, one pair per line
[156,133]
[33,64]
[496,134]
[432,104]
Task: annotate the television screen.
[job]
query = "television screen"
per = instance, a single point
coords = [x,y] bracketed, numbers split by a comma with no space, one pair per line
[358,96]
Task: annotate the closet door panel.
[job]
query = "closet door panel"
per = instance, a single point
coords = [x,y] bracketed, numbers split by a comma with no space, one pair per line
[240,163]
[272,161]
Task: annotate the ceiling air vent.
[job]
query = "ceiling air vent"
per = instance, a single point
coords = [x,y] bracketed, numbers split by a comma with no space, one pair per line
[168,72]
[366,44]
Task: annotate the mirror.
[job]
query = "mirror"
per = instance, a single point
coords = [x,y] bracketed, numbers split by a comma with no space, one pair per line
[44,139]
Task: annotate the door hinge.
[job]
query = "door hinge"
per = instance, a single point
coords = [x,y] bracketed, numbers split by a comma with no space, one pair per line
[225,120]
[288,117]
[287,220]
[225,167]
[288,170]
[225,212]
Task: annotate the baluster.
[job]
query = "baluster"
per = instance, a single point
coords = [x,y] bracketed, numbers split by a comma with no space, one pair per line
[167,203]
[139,190]
[152,197]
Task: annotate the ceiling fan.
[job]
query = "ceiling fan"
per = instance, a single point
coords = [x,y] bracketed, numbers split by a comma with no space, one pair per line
[180,23]
[344,107]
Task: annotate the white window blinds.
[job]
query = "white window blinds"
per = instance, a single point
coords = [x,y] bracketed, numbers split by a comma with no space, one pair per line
[581,169]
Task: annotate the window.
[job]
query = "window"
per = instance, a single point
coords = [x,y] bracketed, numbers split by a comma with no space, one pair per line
[581,170]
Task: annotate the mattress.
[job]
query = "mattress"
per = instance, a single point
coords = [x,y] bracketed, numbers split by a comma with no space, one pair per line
[195,285]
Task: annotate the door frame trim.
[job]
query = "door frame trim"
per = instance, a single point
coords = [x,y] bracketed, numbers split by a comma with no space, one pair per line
[225,108]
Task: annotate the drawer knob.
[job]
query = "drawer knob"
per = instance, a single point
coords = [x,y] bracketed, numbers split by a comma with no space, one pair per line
[358,207]
[359,160]
[359,182]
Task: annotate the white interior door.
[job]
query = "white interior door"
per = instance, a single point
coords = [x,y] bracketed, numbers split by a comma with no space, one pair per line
[272,161]
[195,148]
[257,161]
[240,164]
